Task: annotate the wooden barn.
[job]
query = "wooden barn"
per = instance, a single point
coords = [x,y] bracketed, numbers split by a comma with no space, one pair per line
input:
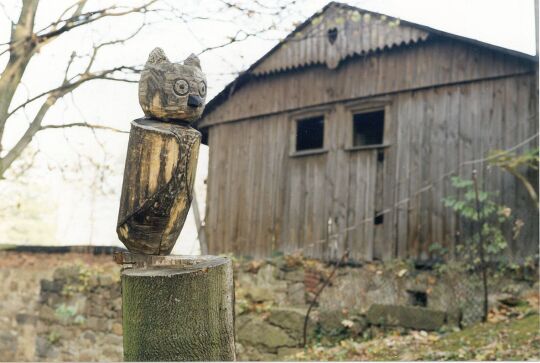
[345,134]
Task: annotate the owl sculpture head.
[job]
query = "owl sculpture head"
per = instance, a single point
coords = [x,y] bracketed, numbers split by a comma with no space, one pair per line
[172,91]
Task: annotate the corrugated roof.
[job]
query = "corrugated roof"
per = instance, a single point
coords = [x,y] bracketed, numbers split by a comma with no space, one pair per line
[338,33]
[358,32]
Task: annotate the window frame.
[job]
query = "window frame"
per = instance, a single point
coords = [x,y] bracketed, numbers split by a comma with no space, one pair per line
[295,117]
[358,107]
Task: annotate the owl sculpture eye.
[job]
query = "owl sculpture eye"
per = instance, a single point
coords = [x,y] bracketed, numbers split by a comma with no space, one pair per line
[202,89]
[181,87]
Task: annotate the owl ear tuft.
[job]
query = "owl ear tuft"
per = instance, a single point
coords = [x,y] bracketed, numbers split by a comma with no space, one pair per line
[157,56]
[192,60]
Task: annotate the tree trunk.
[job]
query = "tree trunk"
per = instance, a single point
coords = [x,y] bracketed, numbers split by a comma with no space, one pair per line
[158,185]
[178,309]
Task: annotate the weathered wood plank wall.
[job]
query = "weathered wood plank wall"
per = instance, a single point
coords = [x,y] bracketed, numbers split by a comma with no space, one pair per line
[434,62]
[262,200]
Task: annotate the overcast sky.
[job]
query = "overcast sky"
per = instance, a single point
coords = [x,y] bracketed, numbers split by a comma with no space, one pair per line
[508,24]
[505,23]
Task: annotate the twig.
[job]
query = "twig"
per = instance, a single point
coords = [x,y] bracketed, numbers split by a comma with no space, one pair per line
[314,301]
[83,124]
[483,266]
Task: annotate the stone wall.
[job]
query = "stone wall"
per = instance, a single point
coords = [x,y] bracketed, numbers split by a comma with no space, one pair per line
[67,307]
[59,307]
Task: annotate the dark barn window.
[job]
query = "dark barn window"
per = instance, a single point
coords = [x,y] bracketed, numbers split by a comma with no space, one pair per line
[368,128]
[310,133]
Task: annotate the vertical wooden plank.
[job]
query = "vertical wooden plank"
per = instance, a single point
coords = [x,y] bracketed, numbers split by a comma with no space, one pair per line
[465,144]
[221,204]
[262,204]
[402,174]
[331,136]
[362,190]
[378,229]
[236,213]
[371,178]
[414,183]
[511,138]
[451,164]
[211,203]
[394,121]
[286,172]
[351,208]
[279,145]
[439,100]
[426,195]
[275,143]
[341,123]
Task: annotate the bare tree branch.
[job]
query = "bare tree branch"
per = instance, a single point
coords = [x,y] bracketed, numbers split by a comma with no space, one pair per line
[84,124]
[78,19]
[36,126]
[113,42]
[76,81]
[25,41]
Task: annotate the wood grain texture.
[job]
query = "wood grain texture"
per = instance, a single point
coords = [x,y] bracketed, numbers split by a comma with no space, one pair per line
[158,184]
[182,312]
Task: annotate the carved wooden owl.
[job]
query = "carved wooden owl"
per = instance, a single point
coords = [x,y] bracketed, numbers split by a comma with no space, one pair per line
[172,91]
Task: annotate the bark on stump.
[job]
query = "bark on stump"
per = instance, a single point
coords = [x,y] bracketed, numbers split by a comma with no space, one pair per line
[178,308]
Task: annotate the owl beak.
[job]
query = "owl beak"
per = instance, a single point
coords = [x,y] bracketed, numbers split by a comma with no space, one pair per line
[194,101]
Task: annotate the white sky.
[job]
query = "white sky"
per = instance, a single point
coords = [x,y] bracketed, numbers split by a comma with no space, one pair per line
[83,216]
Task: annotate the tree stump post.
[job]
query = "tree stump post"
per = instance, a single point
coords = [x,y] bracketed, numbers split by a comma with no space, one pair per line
[177,308]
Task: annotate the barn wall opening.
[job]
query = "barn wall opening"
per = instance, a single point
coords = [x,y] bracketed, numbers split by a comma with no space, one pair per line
[368,128]
[310,133]
[418,298]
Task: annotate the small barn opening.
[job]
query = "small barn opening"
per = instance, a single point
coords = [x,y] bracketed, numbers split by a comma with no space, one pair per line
[418,298]
[368,128]
[310,133]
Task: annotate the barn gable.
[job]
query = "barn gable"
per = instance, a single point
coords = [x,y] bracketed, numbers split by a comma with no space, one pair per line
[340,32]
[335,34]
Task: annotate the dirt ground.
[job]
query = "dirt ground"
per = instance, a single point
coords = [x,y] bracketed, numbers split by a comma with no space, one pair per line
[511,333]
